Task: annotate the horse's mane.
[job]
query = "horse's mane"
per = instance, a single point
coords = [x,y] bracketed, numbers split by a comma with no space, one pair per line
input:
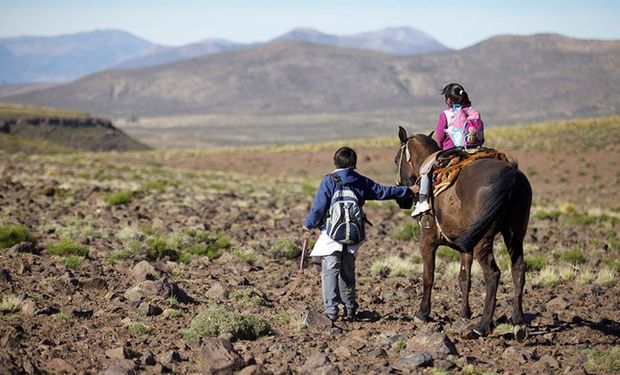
[426,141]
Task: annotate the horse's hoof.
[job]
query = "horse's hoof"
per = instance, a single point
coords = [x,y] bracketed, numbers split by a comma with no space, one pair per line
[422,317]
[465,314]
[520,333]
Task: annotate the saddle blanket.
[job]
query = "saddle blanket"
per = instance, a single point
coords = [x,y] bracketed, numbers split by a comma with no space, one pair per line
[451,162]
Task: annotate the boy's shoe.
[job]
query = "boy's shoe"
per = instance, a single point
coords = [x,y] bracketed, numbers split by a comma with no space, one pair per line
[420,208]
[349,315]
[332,317]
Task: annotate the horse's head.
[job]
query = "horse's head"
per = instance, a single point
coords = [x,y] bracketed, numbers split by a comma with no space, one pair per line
[413,150]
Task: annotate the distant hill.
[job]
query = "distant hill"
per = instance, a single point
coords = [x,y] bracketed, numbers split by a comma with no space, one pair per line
[31,59]
[393,40]
[66,57]
[9,89]
[164,55]
[510,78]
[59,130]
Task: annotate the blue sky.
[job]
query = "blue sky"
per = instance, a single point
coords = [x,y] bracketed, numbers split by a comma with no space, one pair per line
[185,21]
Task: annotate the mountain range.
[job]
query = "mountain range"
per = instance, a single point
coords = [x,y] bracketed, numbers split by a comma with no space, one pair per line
[532,77]
[64,58]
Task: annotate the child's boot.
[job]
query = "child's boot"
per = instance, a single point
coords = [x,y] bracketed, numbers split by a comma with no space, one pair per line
[421,207]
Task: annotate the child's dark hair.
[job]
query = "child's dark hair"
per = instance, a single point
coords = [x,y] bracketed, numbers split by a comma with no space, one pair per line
[345,157]
[456,93]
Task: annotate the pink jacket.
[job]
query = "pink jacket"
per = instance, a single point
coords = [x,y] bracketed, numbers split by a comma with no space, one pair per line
[443,140]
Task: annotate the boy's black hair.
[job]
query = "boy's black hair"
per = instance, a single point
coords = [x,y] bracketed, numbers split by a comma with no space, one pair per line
[456,93]
[345,157]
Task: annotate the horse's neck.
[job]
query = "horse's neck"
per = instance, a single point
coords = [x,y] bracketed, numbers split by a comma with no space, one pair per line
[425,150]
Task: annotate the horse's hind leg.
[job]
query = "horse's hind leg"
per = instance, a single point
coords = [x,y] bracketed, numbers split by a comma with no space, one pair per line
[465,283]
[514,244]
[484,254]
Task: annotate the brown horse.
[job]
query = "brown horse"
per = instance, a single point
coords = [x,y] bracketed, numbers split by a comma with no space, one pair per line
[488,197]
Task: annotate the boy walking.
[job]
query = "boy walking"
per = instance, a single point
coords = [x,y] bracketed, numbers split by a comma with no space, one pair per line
[338,265]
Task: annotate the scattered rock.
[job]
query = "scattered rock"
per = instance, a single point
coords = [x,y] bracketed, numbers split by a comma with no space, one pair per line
[318,363]
[95,283]
[170,357]
[412,361]
[255,370]
[82,314]
[354,342]
[547,362]
[436,343]
[217,292]
[158,288]
[26,247]
[29,307]
[557,304]
[217,356]
[150,309]
[342,352]
[60,366]
[143,270]
[5,276]
[149,359]
[393,339]
[314,320]
[443,364]
[513,354]
[119,352]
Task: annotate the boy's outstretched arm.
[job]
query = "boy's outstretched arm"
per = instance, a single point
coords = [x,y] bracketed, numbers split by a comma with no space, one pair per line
[376,191]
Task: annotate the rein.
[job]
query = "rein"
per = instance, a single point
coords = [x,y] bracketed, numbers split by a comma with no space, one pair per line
[404,150]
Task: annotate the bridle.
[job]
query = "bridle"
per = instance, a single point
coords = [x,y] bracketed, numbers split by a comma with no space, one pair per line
[404,152]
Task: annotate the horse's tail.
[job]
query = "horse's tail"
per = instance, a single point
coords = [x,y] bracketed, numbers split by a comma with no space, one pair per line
[494,205]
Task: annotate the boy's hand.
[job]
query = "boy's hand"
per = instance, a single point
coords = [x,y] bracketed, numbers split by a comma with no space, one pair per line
[415,189]
[305,233]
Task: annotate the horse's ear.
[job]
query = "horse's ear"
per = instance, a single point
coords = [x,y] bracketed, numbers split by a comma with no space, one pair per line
[430,135]
[402,134]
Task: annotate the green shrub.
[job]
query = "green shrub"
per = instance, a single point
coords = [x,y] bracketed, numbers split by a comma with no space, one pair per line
[10,303]
[210,244]
[394,266]
[158,186]
[409,232]
[131,252]
[158,248]
[534,262]
[286,248]
[13,234]
[247,256]
[547,277]
[72,261]
[547,215]
[121,197]
[573,256]
[248,297]
[604,361]
[172,313]
[67,247]
[138,328]
[399,345]
[215,321]
[448,253]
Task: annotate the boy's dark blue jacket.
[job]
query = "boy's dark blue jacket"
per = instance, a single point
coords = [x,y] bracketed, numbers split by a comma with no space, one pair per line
[364,188]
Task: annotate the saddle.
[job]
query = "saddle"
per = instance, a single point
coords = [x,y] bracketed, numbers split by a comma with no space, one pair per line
[450,163]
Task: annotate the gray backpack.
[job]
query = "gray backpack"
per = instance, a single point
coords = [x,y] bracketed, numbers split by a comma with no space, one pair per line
[345,220]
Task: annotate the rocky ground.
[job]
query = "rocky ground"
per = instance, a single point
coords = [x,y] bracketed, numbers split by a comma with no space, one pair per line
[146,242]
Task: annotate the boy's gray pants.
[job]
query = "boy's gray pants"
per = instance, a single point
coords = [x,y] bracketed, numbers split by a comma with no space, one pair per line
[339,281]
